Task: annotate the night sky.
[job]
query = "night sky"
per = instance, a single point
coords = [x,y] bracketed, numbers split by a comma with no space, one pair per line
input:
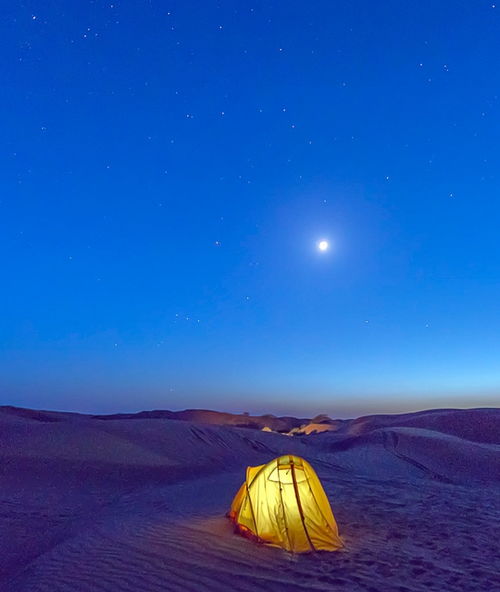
[168,169]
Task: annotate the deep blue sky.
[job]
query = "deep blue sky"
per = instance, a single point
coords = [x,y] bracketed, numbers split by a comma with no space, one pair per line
[167,169]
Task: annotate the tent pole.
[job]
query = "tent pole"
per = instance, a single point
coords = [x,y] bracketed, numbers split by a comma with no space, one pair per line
[299,504]
[251,507]
[282,504]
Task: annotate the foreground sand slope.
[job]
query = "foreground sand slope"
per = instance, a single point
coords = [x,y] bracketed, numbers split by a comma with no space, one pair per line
[139,505]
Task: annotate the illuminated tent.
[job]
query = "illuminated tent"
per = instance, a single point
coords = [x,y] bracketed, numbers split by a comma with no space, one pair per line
[283,504]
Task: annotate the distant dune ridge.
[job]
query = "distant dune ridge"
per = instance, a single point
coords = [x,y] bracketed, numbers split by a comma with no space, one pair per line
[244,420]
[477,425]
[137,501]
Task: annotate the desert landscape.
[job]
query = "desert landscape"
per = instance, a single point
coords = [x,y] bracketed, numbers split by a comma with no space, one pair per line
[229,231]
[137,502]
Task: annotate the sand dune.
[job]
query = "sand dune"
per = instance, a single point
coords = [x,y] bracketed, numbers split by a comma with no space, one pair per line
[416,453]
[205,416]
[477,425]
[139,505]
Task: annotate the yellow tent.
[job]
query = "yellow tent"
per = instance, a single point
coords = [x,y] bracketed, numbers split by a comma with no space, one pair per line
[283,504]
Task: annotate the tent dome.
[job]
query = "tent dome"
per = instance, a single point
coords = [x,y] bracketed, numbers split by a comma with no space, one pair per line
[284,504]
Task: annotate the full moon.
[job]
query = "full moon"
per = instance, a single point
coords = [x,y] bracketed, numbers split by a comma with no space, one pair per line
[323,245]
